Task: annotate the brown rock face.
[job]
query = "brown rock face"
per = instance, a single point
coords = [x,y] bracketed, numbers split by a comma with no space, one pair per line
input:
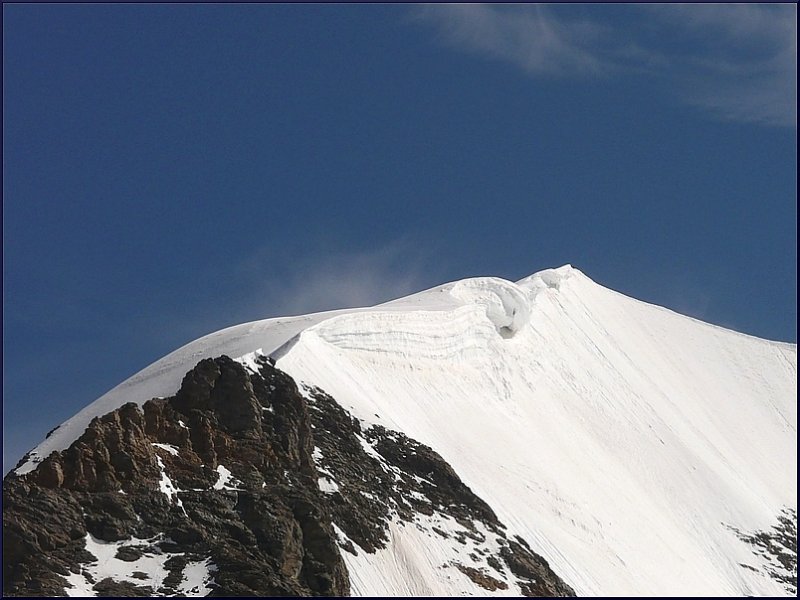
[225,473]
[271,535]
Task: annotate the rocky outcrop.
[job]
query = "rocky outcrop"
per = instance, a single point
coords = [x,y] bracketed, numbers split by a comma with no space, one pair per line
[777,549]
[217,491]
[378,476]
[156,473]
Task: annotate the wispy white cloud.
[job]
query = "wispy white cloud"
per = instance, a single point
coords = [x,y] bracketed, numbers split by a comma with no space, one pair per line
[276,282]
[526,35]
[744,67]
[737,62]
[347,279]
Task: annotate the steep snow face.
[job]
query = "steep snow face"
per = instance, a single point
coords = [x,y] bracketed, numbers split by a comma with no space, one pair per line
[620,439]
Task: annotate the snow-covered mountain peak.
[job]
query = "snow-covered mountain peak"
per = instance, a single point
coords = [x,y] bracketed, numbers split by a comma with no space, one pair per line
[461,316]
[508,305]
[551,278]
[625,442]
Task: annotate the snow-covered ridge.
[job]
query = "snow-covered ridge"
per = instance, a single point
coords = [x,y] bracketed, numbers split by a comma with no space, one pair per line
[622,440]
[487,311]
[163,377]
[618,437]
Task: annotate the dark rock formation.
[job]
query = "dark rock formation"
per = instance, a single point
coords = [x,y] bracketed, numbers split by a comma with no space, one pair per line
[221,480]
[385,476]
[271,535]
[778,547]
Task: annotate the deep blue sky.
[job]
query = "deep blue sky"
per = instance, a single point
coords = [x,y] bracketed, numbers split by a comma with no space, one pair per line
[172,169]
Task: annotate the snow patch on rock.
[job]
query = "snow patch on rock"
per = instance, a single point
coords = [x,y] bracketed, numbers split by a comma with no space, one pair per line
[226,480]
[168,447]
[197,578]
[169,489]
[251,360]
[327,486]
[149,569]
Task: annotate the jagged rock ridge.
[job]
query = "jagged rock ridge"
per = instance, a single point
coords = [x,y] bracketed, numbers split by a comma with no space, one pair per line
[241,485]
[416,488]
[777,547]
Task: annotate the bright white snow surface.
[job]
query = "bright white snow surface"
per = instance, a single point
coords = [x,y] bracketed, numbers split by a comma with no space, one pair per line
[225,479]
[618,438]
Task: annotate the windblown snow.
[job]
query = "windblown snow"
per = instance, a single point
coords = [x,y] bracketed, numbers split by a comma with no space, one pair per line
[621,440]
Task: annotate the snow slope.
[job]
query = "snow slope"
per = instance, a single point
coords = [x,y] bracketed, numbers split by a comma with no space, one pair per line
[620,439]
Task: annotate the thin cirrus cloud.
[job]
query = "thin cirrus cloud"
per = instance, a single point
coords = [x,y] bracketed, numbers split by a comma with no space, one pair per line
[747,69]
[345,281]
[735,62]
[272,282]
[526,35]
